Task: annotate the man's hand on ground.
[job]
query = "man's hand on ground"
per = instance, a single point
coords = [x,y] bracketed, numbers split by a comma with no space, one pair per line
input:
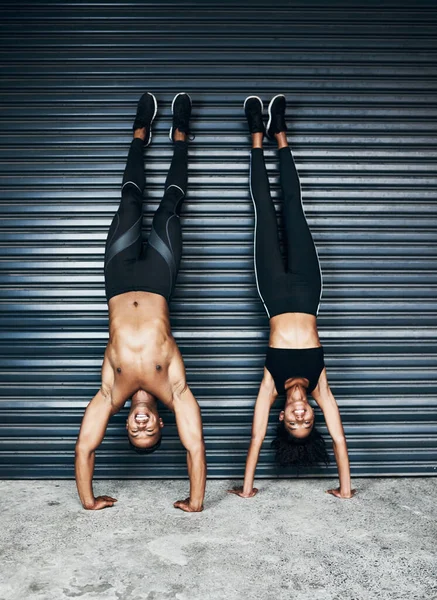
[186,506]
[101,502]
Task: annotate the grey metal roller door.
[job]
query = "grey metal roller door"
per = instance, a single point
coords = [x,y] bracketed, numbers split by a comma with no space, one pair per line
[361,83]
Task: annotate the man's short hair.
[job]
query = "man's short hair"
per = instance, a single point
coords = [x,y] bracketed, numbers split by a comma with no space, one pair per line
[148,450]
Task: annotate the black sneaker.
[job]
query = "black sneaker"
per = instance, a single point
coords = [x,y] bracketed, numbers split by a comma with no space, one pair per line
[181,111]
[276,123]
[253,108]
[146,112]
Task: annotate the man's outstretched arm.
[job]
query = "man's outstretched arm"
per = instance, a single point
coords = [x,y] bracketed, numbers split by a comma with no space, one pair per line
[189,424]
[92,431]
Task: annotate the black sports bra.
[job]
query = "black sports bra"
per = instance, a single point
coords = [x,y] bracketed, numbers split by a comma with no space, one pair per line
[284,363]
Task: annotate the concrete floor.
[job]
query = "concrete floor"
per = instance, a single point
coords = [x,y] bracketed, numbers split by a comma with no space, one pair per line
[290,542]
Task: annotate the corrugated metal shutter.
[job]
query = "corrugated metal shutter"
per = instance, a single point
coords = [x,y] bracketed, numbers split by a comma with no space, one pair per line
[360,78]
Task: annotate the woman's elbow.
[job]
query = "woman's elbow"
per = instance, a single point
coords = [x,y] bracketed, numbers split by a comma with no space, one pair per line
[257,439]
[339,440]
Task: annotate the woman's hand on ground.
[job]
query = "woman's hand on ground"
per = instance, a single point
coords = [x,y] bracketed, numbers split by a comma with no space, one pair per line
[238,491]
[339,494]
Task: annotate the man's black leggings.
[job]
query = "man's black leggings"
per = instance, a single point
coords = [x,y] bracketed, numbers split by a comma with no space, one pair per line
[296,287]
[131,263]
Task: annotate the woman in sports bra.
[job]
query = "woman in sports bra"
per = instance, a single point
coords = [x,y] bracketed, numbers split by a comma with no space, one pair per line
[291,295]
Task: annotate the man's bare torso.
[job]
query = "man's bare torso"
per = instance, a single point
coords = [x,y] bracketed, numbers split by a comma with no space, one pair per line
[141,353]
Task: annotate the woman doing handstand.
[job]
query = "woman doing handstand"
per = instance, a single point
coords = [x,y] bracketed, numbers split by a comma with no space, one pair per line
[291,295]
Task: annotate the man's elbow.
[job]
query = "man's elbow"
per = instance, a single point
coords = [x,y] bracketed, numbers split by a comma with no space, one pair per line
[83,449]
[196,449]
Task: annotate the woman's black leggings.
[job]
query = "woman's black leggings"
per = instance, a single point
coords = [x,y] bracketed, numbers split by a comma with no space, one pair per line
[132,263]
[297,287]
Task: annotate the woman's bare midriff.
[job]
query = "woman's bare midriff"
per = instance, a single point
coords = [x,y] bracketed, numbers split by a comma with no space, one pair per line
[294,330]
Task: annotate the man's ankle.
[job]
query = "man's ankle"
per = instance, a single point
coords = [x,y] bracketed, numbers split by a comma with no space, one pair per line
[140,133]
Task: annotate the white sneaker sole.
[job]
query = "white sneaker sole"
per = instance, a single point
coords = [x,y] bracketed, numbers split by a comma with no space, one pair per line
[270,112]
[259,100]
[170,135]
[152,119]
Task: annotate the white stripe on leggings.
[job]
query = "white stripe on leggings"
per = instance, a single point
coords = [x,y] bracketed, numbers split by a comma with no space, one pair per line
[176,186]
[254,237]
[133,183]
[315,247]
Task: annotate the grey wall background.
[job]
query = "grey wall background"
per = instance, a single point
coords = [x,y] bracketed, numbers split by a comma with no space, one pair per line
[360,78]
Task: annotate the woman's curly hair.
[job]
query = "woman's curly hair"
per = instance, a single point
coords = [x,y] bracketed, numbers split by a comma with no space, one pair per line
[299,452]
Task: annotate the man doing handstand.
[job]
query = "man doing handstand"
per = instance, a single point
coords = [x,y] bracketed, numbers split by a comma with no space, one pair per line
[142,360]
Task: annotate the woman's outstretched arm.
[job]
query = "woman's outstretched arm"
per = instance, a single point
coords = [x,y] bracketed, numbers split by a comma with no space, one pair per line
[325,399]
[266,396]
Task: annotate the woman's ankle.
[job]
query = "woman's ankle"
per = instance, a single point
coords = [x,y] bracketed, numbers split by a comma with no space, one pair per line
[257,140]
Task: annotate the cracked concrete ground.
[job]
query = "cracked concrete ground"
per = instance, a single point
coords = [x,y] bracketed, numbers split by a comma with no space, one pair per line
[291,541]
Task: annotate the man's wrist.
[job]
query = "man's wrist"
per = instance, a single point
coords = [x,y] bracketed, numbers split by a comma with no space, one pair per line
[196,504]
[89,503]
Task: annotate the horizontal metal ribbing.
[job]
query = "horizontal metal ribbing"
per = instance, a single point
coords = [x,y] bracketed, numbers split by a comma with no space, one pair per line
[360,81]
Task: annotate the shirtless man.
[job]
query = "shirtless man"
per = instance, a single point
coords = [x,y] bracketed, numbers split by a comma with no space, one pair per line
[142,360]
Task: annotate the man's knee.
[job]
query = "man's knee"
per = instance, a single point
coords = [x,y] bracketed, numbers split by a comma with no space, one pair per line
[173,199]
